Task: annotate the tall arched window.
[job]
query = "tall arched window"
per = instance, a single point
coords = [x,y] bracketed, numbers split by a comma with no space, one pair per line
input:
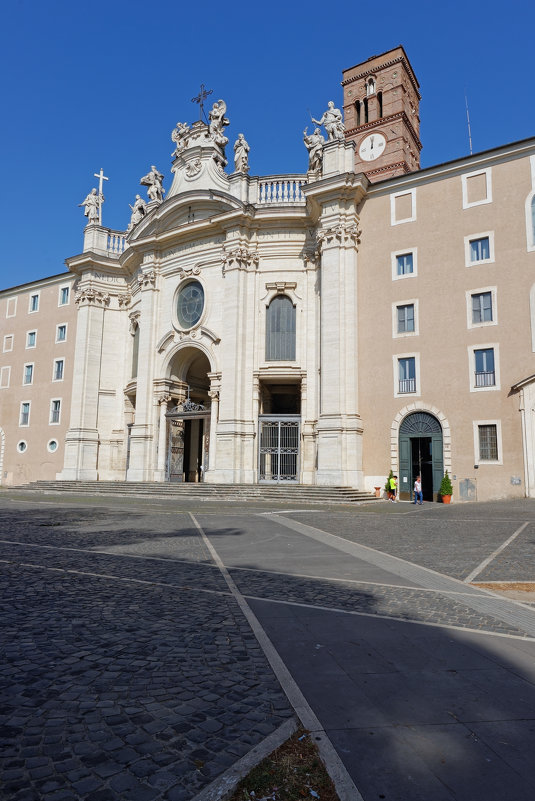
[280,329]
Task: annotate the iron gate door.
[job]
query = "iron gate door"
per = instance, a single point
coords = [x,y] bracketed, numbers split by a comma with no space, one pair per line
[278,452]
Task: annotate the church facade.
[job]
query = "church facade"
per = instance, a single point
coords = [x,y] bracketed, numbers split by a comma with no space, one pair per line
[318,328]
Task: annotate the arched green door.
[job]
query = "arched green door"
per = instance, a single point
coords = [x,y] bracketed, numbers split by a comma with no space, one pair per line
[420,453]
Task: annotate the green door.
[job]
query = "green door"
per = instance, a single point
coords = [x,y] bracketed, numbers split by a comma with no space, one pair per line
[420,453]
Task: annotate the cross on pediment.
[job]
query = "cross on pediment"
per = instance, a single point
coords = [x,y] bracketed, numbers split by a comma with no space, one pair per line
[200,98]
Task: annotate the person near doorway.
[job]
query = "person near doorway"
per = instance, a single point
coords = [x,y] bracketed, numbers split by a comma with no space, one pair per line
[393,488]
[418,494]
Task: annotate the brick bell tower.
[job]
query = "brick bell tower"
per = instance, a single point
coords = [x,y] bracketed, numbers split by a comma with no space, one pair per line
[381,115]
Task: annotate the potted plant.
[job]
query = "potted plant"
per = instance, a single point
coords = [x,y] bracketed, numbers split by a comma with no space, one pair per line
[446,489]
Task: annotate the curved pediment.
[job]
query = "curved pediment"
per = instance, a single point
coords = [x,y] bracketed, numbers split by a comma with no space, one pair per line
[185,210]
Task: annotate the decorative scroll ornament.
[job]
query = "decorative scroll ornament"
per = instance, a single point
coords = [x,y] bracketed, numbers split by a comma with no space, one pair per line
[193,168]
[147,279]
[213,394]
[92,297]
[241,257]
[124,300]
[187,272]
[344,232]
[134,321]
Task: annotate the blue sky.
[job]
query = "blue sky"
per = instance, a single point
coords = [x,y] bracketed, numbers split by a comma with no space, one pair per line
[102,84]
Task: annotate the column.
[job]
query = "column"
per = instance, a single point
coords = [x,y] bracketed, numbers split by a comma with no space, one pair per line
[159,474]
[215,384]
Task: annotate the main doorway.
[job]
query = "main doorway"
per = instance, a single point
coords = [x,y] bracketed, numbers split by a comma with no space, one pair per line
[278,454]
[189,443]
[420,454]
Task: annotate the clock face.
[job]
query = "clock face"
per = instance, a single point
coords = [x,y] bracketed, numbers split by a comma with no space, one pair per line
[372,146]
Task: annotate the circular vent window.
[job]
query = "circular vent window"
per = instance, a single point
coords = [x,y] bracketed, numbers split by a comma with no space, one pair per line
[190,304]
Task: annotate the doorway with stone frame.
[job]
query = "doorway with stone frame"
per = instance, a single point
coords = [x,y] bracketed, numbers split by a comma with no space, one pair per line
[279,432]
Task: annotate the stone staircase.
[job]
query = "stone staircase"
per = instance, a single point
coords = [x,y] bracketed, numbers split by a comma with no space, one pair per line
[288,494]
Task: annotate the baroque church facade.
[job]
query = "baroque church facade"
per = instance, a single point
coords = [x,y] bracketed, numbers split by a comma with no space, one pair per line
[318,328]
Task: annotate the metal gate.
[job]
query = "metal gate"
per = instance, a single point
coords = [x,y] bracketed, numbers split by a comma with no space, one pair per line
[278,452]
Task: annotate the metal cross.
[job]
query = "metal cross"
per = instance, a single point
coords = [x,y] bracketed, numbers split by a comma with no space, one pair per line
[100,175]
[200,98]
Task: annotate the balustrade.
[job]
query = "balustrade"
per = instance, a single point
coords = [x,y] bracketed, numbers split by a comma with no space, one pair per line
[281,189]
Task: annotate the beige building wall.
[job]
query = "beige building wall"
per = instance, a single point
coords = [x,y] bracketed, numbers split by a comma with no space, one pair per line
[444,208]
[34,341]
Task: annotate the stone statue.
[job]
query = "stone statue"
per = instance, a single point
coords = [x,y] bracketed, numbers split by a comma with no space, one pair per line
[178,134]
[92,205]
[218,123]
[314,144]
[153,180]
[139,209]
[241,154]
[332,122]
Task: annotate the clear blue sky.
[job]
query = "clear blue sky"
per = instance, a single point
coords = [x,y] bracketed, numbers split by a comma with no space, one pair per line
[91,84]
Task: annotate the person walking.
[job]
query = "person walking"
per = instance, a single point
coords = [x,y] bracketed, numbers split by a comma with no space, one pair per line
[418,494]
[393,488]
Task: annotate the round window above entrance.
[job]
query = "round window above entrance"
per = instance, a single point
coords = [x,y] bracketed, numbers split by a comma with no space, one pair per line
[190,304]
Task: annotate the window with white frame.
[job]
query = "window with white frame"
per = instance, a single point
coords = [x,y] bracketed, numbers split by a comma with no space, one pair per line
[8,343]
[404,264]
[487,442]
[479,248]
[481,307]
[405,318]
[406,374]
[61,332]
[280,329]
[477,188]
[5,374]
[55,411]
[52,446]
[24,419]
[27,376]
[11,308]
[34,303]
[63,296]
[31,339]
[59,365]
[484,367]
[403,207]
[22,446]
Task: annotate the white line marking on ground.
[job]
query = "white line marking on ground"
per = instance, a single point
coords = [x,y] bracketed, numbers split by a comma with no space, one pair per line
[494,554]
[345,786]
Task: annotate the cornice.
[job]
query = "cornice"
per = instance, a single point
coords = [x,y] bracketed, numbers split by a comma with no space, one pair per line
[400,116]
[369,71]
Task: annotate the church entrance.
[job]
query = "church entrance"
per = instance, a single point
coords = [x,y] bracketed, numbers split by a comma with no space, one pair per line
[279,430]
[188,417]
[420,454]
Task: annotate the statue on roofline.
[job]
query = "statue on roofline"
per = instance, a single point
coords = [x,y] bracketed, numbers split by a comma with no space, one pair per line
[314,144]
[153,181]
[178,135]
[332,122]
[92,205]
[139,210]
[241,154]
[218,123]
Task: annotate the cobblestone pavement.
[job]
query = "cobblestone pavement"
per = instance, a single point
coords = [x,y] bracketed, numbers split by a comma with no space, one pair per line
[451,539]
[119,678]
[129,671]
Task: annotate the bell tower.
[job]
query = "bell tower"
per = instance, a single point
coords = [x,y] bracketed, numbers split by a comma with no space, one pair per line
[381,115]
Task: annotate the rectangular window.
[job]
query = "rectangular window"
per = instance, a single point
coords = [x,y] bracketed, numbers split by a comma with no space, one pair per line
[482,307]
[5,373]
[64,296]
[485,375]
[28,374]
[404,264]
[407,375]
[8,342]
[61,333]
[11,309]
[34,303]
[31,338]
[405,318]
[55,410]
[403,207]
[24,414]
[477,188]
[58,370]
[480,249]
[488,443]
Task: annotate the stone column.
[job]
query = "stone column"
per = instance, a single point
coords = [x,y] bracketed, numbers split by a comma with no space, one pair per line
[141,467]
[159,474]
[215,385]
[82,438]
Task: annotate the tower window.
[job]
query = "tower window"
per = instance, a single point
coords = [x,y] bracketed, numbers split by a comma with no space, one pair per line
[357,111]
[380,104]
[365,103]
[370,86]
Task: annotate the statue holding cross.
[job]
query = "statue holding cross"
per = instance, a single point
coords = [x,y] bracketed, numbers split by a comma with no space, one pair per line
[93,202]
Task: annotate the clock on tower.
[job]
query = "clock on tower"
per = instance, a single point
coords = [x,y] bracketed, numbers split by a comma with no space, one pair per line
[381,104]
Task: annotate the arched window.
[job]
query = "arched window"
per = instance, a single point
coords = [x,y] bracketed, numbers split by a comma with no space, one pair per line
[370,86]
[280,329]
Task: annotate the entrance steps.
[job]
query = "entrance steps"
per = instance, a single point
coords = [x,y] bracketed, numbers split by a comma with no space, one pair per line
[289,494]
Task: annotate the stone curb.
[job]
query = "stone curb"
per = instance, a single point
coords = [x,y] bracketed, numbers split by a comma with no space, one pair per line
[225,784]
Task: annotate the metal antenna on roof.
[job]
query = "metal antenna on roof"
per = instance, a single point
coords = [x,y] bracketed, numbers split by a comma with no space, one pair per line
[468,121]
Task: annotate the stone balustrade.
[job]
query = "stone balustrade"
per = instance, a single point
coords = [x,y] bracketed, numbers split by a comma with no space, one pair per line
[281,189]
[116,243]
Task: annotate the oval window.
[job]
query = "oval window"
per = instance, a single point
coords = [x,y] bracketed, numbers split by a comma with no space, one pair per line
[52,445]
[21,446]
[190,304]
